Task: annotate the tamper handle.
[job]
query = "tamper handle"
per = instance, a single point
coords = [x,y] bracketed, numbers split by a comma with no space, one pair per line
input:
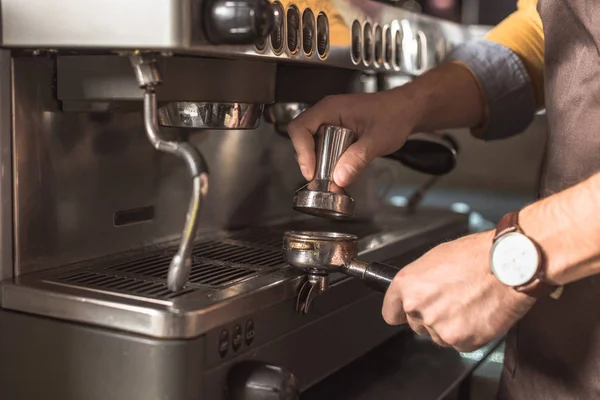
[378,276]
[331,143]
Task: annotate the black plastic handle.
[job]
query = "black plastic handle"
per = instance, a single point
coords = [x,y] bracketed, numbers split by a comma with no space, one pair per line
[379,276]
[435,155]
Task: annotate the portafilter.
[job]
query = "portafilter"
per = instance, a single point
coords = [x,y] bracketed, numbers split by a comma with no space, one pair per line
[323,253]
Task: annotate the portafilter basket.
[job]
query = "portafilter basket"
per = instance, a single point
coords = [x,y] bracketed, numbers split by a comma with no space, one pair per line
[323,253]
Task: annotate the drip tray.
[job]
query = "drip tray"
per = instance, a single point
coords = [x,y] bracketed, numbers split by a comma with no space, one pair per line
[234,274]
[217,264]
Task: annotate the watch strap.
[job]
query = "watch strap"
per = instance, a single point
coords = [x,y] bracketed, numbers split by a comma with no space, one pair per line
[537,287]
[507,224]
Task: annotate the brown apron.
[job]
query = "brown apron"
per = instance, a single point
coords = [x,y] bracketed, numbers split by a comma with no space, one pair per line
[554,352]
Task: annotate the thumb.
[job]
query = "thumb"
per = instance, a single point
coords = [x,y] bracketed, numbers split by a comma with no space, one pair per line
[352,162]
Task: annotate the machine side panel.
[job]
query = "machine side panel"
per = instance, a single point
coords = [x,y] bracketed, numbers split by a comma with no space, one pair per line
[44,358]
[6,174]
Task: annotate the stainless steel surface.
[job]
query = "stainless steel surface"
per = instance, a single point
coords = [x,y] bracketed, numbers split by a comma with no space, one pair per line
[281,114]
[6,170]
[211,115]
[321,251]
[108,80]
[148,76]
[322,197]
[318,254]
[356,268]
[177,26]
[153,312]
[314,284]
[75,173]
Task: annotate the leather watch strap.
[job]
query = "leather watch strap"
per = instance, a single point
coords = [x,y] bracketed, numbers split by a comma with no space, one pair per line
[509,223]
[537,287]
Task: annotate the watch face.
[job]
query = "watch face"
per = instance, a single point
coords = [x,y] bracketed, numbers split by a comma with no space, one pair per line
[515,259]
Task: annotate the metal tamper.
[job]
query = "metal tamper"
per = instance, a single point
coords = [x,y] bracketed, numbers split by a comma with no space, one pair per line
[321,197]
[428,153]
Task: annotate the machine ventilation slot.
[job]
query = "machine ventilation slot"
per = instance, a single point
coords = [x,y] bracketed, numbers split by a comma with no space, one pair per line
[322,35]
[356,42]
[378,46]
[421,53]
[133,216]
[398,49]
[388,47]
[293,29]
[277,34]
[368,44]
[308,31]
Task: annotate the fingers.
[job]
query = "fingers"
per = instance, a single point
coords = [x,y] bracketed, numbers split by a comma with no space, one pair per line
[393,309]
[304,145]
[303,127]
[353,162]
[417,327]
[436,338]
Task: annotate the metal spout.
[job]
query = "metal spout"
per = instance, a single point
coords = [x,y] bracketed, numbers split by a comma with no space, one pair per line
[148,76]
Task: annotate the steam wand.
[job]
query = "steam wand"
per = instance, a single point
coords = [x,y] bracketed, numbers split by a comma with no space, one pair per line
[148,77]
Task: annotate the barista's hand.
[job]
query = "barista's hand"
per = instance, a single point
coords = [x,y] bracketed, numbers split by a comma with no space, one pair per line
[451,295]
[381,120]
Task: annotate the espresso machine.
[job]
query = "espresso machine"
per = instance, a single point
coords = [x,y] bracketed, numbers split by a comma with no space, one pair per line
[148,180]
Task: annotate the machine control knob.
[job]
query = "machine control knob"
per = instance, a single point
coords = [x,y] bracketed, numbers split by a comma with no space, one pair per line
[254,380]
[249,335]
[236,340]
[223,343]
[240,22]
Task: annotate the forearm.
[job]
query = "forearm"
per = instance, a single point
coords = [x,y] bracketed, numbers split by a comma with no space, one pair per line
[434,98]
[567,228]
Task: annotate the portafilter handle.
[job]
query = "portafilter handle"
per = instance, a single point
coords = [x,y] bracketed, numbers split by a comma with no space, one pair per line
[428,153]
[378,276]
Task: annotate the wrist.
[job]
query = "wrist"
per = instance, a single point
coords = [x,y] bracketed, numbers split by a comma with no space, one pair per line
[567,229]
[544,236]
[412,98]
[432,96]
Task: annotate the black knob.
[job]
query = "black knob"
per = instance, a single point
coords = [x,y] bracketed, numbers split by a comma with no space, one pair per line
[253,380]
[240,22]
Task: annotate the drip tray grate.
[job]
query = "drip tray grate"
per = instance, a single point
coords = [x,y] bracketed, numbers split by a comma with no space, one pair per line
[119,284]
[216,263]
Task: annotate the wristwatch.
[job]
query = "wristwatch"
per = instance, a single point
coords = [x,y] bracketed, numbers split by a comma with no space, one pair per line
[518,261]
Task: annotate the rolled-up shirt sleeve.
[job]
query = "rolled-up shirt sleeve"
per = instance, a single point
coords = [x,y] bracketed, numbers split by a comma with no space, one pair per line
[508,66]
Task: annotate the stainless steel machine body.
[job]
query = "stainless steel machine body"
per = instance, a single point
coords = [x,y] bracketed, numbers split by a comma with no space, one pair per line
[92,214]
